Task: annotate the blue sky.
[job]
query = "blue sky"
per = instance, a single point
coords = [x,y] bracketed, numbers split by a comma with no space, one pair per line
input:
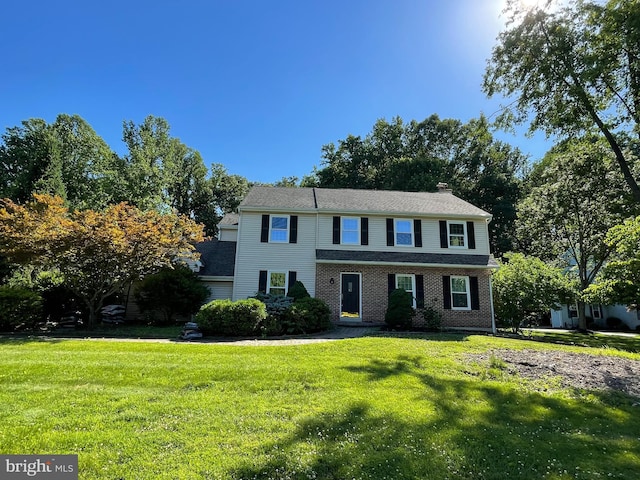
[258,86]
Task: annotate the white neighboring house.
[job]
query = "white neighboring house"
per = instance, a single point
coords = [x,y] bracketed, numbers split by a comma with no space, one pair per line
[352,247]
[567,315]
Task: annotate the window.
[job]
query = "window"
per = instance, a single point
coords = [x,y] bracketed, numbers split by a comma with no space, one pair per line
[277,283]
[457,236]
[350,231]
[596,311]
[460,294]
[404,233]
[279,229]
[407,283]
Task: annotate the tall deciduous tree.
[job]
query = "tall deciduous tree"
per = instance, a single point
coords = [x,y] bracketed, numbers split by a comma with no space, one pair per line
[572,70]
[418,155]
[98,253]
[567,217]
[619,281]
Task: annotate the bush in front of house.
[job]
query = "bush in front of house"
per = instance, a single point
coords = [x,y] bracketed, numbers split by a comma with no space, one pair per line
[400,311]
[307,315]
[171,292]
[432,316]
[19,306]
[298,291]
[224,317]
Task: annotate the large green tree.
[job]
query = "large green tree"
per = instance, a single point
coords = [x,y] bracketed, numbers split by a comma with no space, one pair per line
[416,156]
[566,218]
[572,70]
[619,281]
[525,286]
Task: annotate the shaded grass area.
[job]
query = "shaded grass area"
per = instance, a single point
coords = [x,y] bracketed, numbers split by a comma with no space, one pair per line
[364,408]
[628,343]
[102,331]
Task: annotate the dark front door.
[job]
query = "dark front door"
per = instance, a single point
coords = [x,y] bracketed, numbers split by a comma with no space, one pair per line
[350,295]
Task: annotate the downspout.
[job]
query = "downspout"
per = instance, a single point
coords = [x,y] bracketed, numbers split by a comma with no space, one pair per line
[493,315]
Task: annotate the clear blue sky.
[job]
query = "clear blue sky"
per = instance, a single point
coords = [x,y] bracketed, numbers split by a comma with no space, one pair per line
[258,86]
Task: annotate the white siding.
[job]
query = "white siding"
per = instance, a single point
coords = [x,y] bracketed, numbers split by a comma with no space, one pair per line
[228,235]
[253,255]
[378,237]
[219,290]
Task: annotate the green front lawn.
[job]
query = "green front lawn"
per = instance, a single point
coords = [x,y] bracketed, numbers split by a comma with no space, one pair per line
[379,407]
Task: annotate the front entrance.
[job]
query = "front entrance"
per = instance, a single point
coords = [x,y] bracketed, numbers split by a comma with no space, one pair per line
[350,298]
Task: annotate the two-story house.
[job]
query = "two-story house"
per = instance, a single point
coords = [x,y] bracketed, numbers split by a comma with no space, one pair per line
[352,247]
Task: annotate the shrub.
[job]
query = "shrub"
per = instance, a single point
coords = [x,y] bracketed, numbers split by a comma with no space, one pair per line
[400,309]
[19,306]
[224,317]
[307,315]
[614,322]
[171,292]
[298,291]
[432,317]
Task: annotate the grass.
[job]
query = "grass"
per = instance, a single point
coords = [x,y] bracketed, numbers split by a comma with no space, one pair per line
[629,343]
[378,407]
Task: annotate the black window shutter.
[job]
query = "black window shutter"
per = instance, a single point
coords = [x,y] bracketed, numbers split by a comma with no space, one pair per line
[390,235]
[475,296]
[417,231]
[444,235]
[293,229]
[262,281]
[420,291]
[264,232]
[391,283]
[471,235]
[293,276]
[364,231]
[446,291]
[336,230]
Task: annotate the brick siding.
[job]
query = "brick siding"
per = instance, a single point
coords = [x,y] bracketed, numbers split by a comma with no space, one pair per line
[374,293]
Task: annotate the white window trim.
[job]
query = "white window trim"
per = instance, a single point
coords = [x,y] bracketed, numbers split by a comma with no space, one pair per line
[286,280]
[449,235]
[395,232]
[288,217]
[468,292]
[342,230]
[413,286]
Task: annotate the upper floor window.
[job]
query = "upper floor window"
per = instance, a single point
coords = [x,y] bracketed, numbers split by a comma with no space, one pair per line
[350,230]
[279,229]
[457,234]
[404,233]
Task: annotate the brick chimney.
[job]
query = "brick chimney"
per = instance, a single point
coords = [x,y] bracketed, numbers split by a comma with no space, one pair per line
[443,188]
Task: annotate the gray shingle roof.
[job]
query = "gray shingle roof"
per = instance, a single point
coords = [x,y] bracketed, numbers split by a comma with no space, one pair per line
[217,258]
[350,256]
[229,219]
[350,200]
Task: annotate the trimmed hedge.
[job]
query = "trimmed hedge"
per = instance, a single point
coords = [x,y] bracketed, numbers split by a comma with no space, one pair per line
[224,317]
[307,315]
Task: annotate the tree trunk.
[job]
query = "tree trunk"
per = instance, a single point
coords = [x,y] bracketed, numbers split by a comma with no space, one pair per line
[582,319]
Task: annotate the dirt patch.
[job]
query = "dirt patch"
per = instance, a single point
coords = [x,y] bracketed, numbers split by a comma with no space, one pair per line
[576,370]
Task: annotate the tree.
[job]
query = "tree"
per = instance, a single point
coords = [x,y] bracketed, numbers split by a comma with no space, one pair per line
[66,158]
[525,286]
[98,253]
[566,218]
[574,70]
[172,291]
[418,155]
[619,281]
